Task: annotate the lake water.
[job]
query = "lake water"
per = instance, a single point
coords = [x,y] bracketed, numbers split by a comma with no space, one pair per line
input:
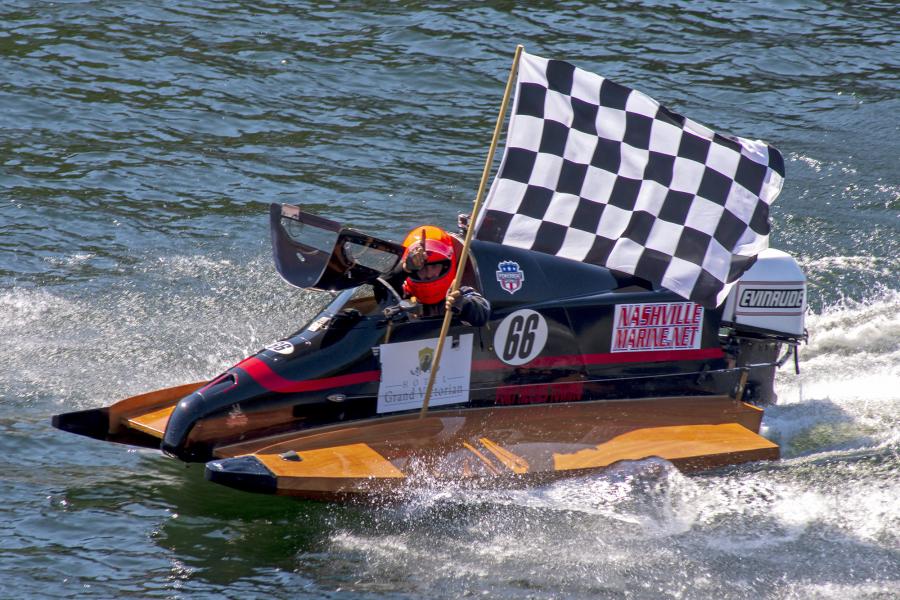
[139,148]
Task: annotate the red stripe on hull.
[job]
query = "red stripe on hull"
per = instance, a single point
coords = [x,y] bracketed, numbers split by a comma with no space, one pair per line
[653,356]
[608,358]
[263,374]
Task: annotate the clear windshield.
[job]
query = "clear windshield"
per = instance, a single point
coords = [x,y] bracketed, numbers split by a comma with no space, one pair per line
[310,240]
[314,252]
[362,298]
[368,256]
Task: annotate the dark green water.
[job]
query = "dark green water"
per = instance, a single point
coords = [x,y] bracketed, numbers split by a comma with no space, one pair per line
[140,144]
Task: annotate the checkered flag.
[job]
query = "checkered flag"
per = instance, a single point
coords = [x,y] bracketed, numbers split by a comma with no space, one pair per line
[597,172]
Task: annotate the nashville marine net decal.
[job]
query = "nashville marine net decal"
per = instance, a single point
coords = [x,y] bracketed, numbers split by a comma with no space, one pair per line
[510,276]
[664,326]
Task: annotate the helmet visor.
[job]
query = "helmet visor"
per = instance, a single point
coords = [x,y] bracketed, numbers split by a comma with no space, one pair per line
[432,271]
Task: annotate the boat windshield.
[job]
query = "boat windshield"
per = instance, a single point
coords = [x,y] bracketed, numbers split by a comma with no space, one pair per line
[364,298]
[314,252]
[363,252]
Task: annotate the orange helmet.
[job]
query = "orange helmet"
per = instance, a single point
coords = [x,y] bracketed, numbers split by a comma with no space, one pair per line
[438,251]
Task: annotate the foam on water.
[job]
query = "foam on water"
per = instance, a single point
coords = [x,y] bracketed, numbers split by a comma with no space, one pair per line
[641,522]
[139,147]
[792,527]
[877,266]
[847,393]
[859,331]
[186,318]
[189,317]
[586,537]
[762,525]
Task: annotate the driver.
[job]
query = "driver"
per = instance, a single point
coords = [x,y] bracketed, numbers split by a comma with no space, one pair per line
[430,261]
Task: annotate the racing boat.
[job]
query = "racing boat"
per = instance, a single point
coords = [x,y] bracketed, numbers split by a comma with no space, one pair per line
[579,367]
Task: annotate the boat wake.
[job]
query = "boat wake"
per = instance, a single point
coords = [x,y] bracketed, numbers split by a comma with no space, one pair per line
[819,523]
[762,524]
[186,318]
[846,395]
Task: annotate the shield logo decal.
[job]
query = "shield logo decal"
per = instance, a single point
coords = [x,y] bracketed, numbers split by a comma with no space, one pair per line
[510,276]
[425,357]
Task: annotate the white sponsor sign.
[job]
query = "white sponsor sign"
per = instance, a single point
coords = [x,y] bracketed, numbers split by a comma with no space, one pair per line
[406,366]
[663,326]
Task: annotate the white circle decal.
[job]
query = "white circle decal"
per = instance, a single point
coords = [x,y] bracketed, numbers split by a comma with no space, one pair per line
[282,347]
[520,337]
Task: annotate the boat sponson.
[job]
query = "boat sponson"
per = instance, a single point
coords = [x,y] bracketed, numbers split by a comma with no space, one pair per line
[243,473]
[505,446]
[94,423]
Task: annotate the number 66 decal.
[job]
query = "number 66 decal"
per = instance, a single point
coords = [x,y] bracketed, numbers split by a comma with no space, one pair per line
[520,337]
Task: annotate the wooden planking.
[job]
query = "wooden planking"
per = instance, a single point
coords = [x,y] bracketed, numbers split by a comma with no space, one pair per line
[406,429]
[152,423]
[676,443]
[513,462]
[353,461]
[512,444]
[359,470]
[123,410]
[236,424]
[563,421]
[488,464]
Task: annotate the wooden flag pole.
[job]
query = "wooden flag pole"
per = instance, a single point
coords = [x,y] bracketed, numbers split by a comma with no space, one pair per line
[464,254]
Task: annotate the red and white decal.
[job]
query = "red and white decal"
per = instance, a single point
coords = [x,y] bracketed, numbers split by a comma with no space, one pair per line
[653,327]
[510,276]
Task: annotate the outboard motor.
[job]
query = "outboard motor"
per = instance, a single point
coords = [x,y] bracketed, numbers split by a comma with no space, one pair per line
[764,311]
